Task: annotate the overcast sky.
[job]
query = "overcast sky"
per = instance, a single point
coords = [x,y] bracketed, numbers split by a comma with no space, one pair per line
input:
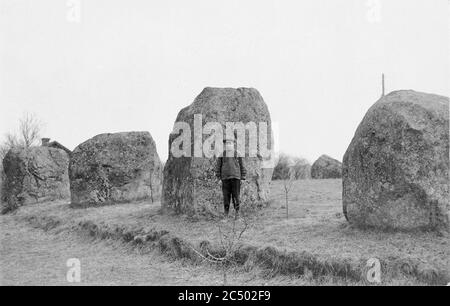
[132,65]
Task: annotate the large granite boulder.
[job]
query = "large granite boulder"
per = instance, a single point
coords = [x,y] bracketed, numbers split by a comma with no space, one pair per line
[35,175]
[326,167]
[115,168]
[190,185]
[396,169]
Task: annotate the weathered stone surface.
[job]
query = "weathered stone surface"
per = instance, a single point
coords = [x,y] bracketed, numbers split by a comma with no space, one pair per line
[34,175]
[396,169]
[326,167]
[115,168]
[190,185]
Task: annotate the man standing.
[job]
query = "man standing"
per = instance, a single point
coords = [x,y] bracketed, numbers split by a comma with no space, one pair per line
[231,170]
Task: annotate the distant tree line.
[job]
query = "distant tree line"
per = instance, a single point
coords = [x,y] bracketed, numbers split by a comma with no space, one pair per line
[290,167]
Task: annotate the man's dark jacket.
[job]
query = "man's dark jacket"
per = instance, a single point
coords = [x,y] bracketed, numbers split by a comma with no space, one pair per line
[230,167]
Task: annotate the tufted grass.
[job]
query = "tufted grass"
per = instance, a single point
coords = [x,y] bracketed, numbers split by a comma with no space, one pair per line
[315,243]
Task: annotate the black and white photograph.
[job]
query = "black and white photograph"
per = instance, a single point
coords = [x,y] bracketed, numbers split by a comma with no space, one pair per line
[224,151]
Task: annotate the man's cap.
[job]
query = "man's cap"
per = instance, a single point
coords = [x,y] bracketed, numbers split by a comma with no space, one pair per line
[228,139]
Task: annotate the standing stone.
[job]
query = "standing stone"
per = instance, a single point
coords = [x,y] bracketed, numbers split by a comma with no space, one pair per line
[326,167]
[115,168]
[190,185]
[396,169]
[34,175]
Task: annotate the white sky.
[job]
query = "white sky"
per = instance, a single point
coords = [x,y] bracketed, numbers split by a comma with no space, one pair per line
[132,65]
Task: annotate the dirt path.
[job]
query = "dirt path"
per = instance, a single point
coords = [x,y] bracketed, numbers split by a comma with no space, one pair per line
[30,256]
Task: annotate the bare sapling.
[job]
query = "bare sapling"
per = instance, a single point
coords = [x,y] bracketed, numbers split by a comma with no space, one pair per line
[288,182]
[230,233]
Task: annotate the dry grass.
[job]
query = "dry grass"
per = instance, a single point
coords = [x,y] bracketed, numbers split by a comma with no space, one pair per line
[32,256]
[315,236]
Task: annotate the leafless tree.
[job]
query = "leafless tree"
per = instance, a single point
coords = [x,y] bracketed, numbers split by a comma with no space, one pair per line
[28,135]
[280,171]
[300,168]
[230,232]
[287,186]
[30,128]
[9,142]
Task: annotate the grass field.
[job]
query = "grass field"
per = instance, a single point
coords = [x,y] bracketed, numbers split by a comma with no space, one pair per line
[314,238]
[31,256]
